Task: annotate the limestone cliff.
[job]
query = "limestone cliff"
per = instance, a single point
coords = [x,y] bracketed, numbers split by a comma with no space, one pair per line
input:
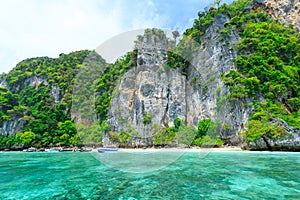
[11,127]
[150,93]
[163,93]
[208,98]
[286,11]
[36,96]
[151,90]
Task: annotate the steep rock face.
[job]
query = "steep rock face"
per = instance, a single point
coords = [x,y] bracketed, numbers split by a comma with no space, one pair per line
[286,11]
[32,81]
[11,127]
[162,93]
[3,83]
[208,97]
[149,91]
[35,81]
[55,92]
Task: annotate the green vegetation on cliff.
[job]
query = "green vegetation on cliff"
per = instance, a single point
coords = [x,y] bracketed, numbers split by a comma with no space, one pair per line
[9,104]
[268,64]
[108,82]
[267,74]
[41,96]
[39,93]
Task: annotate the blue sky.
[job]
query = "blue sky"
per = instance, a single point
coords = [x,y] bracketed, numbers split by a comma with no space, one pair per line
[32,28]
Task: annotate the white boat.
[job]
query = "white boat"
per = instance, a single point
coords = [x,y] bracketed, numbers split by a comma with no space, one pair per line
[103,150]
[51,150]
[31,149]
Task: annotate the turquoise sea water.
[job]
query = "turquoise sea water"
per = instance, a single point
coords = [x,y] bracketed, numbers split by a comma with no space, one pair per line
[236,175]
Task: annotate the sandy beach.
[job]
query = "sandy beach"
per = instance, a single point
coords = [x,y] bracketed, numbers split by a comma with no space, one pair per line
[221,149]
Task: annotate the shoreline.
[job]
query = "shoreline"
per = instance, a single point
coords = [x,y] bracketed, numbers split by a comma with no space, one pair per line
[163,149]
[171,149]
[217,149]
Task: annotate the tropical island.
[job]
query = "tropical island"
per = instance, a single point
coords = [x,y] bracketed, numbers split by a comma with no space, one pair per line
[232,79]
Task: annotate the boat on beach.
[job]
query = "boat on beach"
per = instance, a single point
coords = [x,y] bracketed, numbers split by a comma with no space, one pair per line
[105,149]
[31,149]
[51,150]
[54,150]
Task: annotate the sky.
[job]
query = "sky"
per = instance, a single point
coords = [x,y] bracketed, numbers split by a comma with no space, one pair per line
[33,28]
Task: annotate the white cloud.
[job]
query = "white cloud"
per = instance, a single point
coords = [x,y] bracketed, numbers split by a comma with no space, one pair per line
[32,28]
[47,28]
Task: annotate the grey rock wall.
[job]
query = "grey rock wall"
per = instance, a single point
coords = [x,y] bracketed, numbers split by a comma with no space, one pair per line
[149,90]
[3,83]
[164,93]
[286,11]
[11,127]
[208,98]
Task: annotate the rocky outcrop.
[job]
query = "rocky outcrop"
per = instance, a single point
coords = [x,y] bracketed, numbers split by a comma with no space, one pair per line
[55,92]
[3,83]
[207,98]
[35,81]
[149,93]
[160,94]
[286,11]
[152,95]
[288,142]
[11,127]
[32,81]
